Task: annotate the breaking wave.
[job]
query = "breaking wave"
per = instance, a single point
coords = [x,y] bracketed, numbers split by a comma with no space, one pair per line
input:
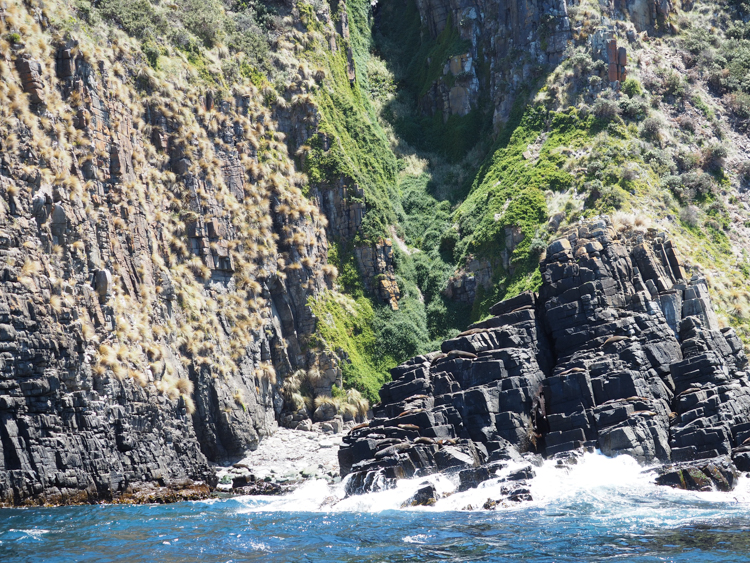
[611,487]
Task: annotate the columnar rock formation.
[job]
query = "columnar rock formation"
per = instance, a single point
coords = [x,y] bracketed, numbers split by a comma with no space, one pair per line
[509,39]
[495,31]
[618,350]
[154,271]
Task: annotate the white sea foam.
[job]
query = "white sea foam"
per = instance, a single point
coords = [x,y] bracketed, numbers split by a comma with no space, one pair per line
[418,539]
[35,533]
[604,487]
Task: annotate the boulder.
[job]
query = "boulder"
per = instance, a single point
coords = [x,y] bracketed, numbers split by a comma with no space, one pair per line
[325,412]
[719,473]
[103,283]
[425,496]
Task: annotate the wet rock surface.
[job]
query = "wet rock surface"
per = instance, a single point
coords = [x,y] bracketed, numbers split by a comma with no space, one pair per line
[705,475]
[620,350]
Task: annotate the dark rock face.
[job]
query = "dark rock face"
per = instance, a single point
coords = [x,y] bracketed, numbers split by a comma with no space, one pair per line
[81,259]
[719,473]
[425,496]
[493,30]
[496,31]
[617,351]
[118,446]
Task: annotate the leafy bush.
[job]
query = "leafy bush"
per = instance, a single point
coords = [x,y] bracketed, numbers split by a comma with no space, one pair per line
[744,170]
[192,25]
[739,30]
[203,18]
[691,186]
[634,108]
[659,160]
[152,52]
[651,128]
[606,110]
[739,103]
[138,18]
[691,215]
[687,161]
[632,87]
[673,84]
[607,198]
[686,123]
[713,156]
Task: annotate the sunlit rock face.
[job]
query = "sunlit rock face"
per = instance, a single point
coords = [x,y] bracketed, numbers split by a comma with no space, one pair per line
[617,351]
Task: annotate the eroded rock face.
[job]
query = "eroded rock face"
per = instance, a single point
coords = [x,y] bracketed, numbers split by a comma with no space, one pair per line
[494,30]
[530,34]
[617,351]
[85,231]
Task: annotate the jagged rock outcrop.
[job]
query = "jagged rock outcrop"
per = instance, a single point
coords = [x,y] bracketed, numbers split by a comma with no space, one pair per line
[618,350]
[719,473]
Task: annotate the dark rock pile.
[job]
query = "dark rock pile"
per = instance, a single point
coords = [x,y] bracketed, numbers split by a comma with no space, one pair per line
[618,351]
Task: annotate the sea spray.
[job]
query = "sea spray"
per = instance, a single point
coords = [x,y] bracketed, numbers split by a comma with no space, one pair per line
[616,488]
[597,509]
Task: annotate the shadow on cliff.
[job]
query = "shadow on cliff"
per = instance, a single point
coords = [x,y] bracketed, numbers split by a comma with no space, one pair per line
[415,108]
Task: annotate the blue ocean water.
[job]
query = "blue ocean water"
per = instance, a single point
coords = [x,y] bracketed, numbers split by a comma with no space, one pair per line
[601,510]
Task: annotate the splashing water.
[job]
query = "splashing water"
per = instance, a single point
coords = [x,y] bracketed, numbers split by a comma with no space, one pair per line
[596,510]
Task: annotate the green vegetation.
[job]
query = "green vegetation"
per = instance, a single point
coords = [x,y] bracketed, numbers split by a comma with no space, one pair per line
[193,26]
[510,194]
[359,149]
[346,325]
[725,62]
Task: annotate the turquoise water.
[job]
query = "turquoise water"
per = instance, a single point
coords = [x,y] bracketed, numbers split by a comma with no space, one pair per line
[602,510]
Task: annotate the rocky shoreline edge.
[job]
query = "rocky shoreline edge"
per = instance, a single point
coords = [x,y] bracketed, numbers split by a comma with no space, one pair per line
[620,351]
[281,463]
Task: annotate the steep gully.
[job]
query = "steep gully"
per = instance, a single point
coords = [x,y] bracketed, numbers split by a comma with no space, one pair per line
[71,435]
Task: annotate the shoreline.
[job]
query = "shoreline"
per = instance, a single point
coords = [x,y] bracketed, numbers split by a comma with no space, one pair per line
[281,463]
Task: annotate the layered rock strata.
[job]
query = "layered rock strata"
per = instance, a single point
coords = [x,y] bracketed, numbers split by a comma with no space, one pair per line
[619,351]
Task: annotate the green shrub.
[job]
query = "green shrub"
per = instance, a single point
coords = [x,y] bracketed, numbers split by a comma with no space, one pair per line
[651,128]
[691,186]
[632,87]
[634,108]
[606,110]
[203,18]
[690,215]
[138,18]
[713,156]
[701,105]
[607,198]
[687,161]
[744,170]
[739,103]
[673,84]
[152,52]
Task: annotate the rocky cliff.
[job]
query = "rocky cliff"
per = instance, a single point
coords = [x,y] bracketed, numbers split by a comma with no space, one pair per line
[182,183]
[509,45]
[157,260]
[620,350]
